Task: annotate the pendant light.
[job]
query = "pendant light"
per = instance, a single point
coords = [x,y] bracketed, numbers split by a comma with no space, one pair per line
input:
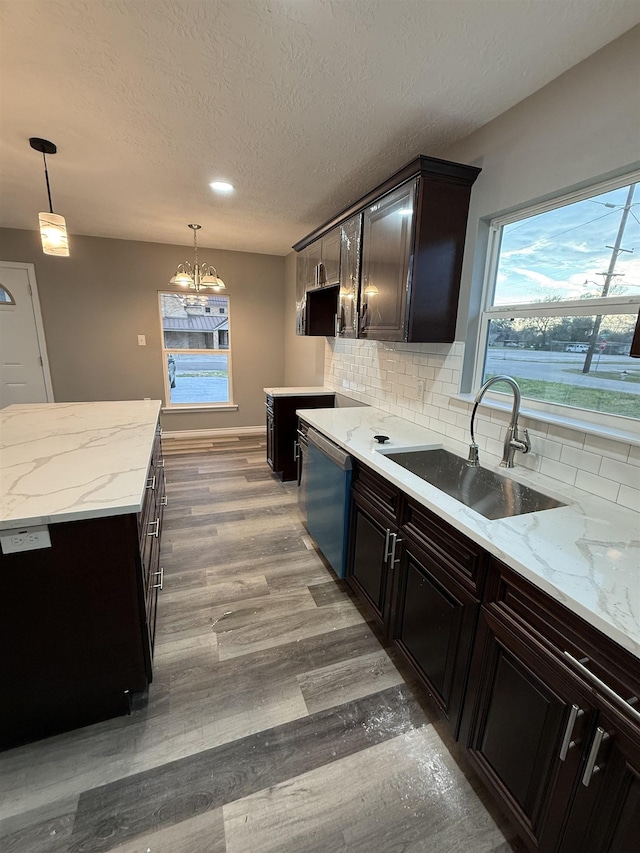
[197,277]
[53,228]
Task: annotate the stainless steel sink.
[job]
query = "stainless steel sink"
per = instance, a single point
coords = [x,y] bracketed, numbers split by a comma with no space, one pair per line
[483,491]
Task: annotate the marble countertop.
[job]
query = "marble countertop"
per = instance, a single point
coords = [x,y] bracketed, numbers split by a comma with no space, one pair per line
[69,461]
[301,391]
[585,555]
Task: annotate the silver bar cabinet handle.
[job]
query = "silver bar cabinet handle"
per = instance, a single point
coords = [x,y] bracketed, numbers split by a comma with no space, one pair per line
[296,451]
[151,482]
[627,705]
[567,743]
[592,768]
[161,573]
[392,557]
[156,531]
[386,545]
[161,463]
[164,500]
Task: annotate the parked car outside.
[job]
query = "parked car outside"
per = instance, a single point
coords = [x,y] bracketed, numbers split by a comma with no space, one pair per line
[577,348]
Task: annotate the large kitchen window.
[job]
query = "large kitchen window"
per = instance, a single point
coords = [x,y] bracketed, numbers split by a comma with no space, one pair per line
[562,301]
[196,350]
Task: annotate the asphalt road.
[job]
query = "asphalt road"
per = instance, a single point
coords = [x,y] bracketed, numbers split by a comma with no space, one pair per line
[200,389]
[559,367]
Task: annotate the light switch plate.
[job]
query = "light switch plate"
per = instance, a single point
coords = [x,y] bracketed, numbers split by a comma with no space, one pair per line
[18,539]
[142,340]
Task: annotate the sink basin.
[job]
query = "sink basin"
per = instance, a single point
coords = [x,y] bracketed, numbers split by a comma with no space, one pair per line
[478,488]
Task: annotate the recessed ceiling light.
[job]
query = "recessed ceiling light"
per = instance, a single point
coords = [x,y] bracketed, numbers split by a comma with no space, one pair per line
[221,187]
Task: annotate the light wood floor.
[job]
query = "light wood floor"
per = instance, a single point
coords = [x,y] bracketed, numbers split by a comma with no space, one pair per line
[276,721]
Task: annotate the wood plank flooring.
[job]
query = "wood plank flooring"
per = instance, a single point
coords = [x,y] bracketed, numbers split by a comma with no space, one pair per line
[276,721]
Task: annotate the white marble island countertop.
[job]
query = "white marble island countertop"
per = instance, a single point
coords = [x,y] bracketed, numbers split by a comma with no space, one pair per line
[69,461]
[585,555]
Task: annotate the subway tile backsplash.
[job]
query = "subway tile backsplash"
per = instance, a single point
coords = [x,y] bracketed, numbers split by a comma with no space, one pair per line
[416,381]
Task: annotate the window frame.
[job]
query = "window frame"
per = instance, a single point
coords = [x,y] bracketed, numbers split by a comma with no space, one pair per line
[617,304]
[177,407]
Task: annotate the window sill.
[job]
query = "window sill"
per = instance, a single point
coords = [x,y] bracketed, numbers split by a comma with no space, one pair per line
[212,407]
[588,427]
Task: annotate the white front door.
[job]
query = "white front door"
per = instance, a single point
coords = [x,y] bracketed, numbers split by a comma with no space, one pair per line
[24,367]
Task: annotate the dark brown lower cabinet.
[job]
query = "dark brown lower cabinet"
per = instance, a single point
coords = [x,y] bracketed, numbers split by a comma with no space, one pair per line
[400,566]
[282,425]
[546,706]
[433,627]
[369,571]
[561,760]
[523,709]
[605,812]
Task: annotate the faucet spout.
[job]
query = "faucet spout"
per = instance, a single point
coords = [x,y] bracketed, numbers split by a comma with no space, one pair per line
[513,440]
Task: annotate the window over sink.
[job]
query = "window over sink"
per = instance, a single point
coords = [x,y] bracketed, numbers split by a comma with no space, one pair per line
[562,295]
[196,349]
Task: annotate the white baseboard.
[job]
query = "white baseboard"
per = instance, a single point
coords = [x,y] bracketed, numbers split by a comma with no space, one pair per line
[213,433]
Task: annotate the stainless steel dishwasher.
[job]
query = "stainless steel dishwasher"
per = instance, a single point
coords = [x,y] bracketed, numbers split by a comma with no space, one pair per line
[328,494]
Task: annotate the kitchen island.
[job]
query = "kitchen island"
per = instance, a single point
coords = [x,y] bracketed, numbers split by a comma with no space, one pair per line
[81,501]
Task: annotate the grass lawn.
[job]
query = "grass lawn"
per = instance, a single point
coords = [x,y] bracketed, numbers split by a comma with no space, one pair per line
[596,399]
[632,376]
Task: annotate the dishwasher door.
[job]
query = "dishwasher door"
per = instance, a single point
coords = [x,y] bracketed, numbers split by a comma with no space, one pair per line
[328,498]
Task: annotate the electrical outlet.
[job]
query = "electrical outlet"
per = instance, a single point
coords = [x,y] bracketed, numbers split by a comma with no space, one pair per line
[142,340]
[420,388]
[25,539]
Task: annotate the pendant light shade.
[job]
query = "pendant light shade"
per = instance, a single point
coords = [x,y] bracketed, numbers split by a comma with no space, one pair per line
[53,233]
[53,228]
[195,276]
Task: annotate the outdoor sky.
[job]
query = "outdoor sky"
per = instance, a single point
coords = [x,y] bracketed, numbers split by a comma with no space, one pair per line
[554,253]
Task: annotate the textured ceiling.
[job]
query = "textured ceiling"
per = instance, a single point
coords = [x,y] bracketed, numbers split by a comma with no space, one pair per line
[303,105]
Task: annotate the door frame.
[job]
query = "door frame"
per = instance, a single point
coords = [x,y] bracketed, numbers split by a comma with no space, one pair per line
[37,315]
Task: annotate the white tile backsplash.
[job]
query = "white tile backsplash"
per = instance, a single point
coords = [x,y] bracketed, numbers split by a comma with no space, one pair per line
[386,375]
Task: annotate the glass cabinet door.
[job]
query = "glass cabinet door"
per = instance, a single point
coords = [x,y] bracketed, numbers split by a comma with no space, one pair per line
[350,243]
[330,270]
[301,292]
[313,253]
[387,244]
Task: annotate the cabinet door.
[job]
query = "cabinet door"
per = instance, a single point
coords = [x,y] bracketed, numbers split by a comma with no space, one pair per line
[434,628]
[330,257]
[350,243]
[270,438]
[387,244]
[313,254]
[606,810]
[301,292]
[526,709]
[368,569]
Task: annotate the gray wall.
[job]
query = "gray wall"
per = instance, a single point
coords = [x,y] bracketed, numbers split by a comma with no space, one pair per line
[581,127]
[96,302]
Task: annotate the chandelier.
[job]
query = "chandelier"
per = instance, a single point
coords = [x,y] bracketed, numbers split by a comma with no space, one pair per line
[53,228]
[197,277]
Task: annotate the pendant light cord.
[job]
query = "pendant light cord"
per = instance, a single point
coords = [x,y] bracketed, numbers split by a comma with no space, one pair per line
[46,174]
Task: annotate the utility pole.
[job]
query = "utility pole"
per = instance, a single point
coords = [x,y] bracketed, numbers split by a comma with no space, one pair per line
[616,250]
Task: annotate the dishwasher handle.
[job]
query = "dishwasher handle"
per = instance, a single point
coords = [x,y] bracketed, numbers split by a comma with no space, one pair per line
[337,455]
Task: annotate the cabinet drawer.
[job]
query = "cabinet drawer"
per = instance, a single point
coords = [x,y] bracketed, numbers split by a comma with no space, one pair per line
[464,559]
[561,631]
[378,491]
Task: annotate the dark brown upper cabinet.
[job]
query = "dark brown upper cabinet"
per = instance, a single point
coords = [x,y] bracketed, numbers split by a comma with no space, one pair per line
[386,264]
[411,254]
[348,295]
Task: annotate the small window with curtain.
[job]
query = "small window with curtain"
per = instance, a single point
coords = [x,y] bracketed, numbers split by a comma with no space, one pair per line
[196,349]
